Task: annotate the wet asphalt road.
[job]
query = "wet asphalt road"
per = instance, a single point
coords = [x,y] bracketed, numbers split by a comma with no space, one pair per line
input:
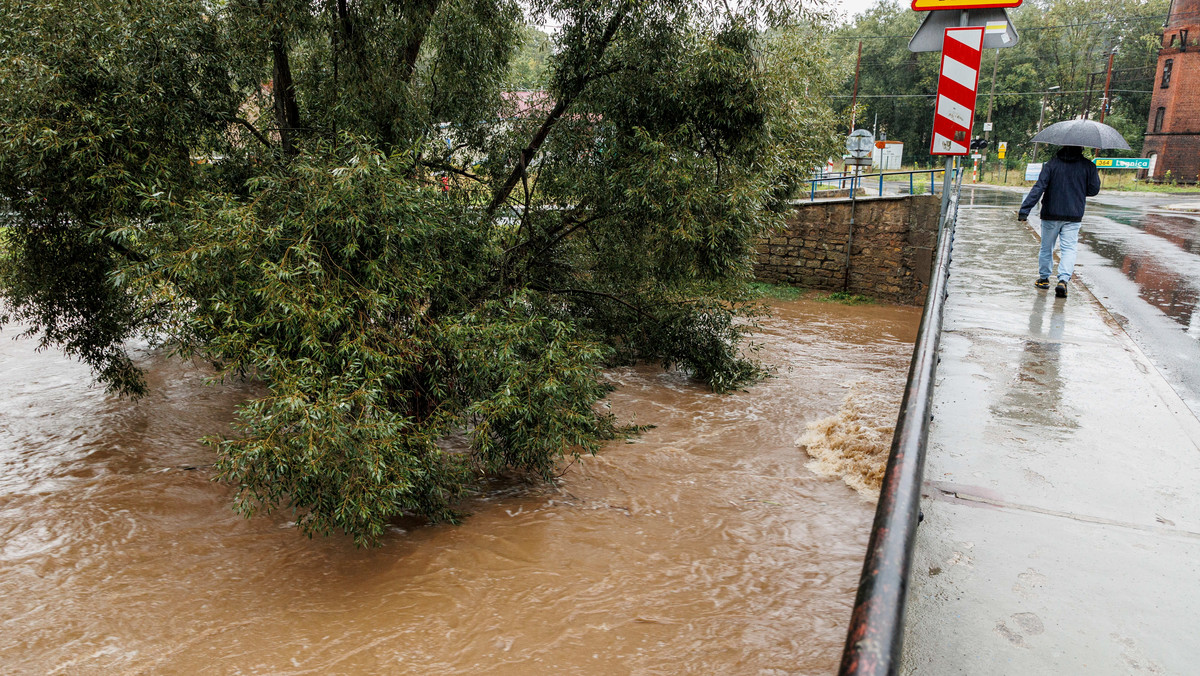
[1141,259]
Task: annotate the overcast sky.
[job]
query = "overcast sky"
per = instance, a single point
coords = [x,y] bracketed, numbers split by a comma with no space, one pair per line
[852,7]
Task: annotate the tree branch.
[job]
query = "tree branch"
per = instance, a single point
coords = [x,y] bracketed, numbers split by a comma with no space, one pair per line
[566,233]
[125,251]
[535,144]
[250,128]
[601,294]
[453,169]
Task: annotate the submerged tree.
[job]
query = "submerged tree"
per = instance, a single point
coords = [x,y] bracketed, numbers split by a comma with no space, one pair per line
[338,199]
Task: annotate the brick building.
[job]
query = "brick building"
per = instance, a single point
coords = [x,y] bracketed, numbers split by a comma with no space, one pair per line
[1173,130]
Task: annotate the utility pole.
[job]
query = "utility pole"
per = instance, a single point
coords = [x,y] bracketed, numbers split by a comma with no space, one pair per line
[992,98]
[1087,105]
[987,128]
[1042,116]
[854,99]
[1107,84]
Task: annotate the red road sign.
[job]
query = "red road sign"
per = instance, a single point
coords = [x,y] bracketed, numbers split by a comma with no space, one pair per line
[954,110]
[935,5]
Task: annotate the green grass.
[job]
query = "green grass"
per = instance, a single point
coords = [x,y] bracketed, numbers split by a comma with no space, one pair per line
[775,291]
[1118,180]
[765,290]
[1164,188]
[847,298]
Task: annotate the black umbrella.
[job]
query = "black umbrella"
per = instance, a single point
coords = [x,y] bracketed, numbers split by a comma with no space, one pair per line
[1087,133]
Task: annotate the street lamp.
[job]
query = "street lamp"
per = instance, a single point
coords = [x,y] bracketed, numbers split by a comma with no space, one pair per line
[1042,116]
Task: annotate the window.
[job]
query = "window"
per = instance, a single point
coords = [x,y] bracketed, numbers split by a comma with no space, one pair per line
[1183,38]
[1158,119]
[1166,79]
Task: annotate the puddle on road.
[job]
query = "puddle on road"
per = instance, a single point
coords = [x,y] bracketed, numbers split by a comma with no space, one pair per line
[1158,253]
[703,546]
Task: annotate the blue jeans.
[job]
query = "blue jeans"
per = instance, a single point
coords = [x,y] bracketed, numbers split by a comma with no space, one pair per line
[1067,234]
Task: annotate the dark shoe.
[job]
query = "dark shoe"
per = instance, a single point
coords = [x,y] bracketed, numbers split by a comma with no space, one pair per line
[1042,283]
[1061,289]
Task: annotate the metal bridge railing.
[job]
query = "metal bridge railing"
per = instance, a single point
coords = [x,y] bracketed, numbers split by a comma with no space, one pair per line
[874,641]
[843,180]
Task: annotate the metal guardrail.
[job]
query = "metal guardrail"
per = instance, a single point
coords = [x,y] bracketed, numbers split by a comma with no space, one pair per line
[875,638]
[844,180]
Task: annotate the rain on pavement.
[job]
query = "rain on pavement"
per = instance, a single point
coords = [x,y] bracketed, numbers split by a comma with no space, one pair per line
[1141,259]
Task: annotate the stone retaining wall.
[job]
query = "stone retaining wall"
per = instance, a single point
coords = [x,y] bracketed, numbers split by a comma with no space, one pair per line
[891,255]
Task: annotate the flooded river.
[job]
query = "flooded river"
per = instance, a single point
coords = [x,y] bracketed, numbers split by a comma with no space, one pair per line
[705,545]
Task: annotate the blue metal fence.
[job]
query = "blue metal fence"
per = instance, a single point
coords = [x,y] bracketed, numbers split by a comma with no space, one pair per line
[848,180]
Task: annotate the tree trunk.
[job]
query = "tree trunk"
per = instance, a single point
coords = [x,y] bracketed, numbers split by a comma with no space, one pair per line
[421,18]
[287,113]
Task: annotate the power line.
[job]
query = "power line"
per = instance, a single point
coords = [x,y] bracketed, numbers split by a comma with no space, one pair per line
[1055,93]
[1036,28]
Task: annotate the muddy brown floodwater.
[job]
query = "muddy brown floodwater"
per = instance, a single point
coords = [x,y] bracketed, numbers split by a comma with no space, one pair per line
[705,545]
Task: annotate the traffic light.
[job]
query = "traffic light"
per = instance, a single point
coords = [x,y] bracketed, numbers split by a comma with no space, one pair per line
[979,144]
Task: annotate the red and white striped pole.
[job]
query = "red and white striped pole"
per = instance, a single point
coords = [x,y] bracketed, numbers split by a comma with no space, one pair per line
[958,83]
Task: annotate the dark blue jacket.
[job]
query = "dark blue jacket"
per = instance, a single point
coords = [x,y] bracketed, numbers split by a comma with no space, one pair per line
[1063,186]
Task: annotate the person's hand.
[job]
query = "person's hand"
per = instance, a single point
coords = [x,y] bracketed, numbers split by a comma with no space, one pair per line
[1022,217]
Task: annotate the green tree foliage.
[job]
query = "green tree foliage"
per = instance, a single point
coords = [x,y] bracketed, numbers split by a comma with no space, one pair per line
[1062,42]
[338,199]
[887,68]
[528,70]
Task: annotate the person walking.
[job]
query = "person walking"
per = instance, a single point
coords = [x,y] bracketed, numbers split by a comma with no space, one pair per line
[1063,187]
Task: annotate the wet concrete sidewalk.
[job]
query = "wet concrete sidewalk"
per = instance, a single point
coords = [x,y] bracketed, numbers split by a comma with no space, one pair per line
[1062,484]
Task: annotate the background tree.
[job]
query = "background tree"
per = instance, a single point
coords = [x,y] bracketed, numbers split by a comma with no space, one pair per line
[1062,42]
[528,68]
[900,78]
[261,182]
